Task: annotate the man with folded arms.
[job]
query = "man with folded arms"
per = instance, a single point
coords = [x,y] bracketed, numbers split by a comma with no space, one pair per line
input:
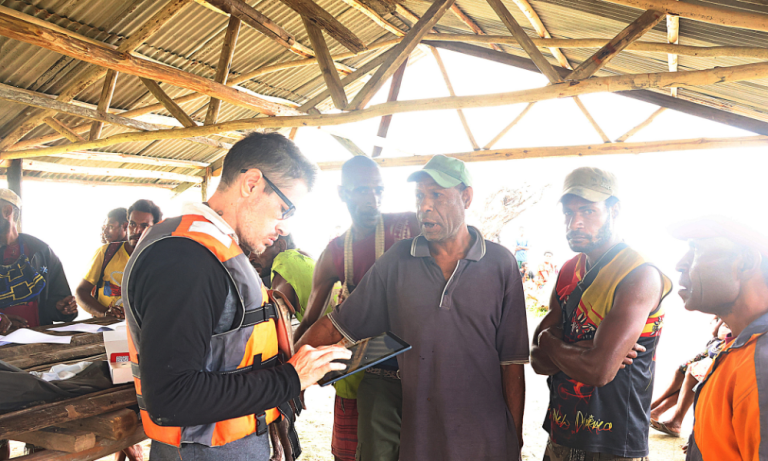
[458,300]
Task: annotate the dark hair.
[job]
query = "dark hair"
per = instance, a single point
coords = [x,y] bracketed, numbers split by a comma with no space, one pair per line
[276,156]
[289,243]
[147,206]
[351,166]
[118,214]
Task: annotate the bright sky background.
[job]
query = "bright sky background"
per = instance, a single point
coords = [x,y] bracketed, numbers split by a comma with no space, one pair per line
[656,189]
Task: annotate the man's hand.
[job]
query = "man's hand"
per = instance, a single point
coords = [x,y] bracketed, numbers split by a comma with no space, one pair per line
[132,453]
[115,311]
[628,360]
[67,306]
[9,323]
[312,364]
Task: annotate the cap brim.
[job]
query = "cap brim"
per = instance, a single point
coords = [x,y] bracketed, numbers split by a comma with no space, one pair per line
[586,194]
[442,180]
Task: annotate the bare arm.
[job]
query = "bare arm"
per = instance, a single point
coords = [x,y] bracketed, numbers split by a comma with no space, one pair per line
[513,381]
[540,361]
[614,342]
[322,333]
[282,285]
[88,302]
[323,279]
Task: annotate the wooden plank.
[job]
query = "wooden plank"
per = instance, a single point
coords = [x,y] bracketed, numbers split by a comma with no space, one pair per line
[51,414]
[183,187]
[33,34]
[325,61]
[394,91]
[222,68]
[471,24]
[59,439]
[104,447]
[54,356]
[349,145]
[10,351]
[49,167]
[652,97]
[400,52]
[448,85]
[114,426]
[723,16]
[120,157]
[579,151]
[24,125]
[167,102]
[506,129]
[542,31]
[310,10]
[105,100]
[63,129]
[632,32]
[591,119]
[642,125]
[375,17]
[617,83]
[673,37]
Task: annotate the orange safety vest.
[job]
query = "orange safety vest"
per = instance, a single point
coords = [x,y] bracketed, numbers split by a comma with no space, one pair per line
[255,337]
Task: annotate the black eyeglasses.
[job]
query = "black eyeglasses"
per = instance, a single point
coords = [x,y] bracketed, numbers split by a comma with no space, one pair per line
[291,207]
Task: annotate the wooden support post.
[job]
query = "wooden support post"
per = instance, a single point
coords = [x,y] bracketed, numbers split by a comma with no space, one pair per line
[63,129]
[26,124]
[325,61]
[107,91]
[447,80]
[538,26]
[471,24]
[204,184]
[222,68]
[591,119]
[639,127]
[292,134]
[632,32]
[673,36]
[401,52]
[177,112]
[105,56]
[506,129]
[394,92]
[310,10]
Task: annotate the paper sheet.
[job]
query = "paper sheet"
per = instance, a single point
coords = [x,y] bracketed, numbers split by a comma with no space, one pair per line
[89,327]
[27,336]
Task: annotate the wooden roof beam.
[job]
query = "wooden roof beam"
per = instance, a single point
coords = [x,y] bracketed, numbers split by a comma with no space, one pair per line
[471,24]
[310,11]
[375,17]
[506,129]
[23,125]
[448,85]
[642,125]
[402,51]
[167,102]
[673,37]
[325,61]
[222,68]
[24,31]
[591,119]
[120,157]
[542,31]
[394,92]
[105,100]
[60,168]
[617,83]
[63,129]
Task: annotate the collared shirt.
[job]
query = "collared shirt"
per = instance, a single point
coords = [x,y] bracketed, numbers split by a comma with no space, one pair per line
[208,213]
[461,331]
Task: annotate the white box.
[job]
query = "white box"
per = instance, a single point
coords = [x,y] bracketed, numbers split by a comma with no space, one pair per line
[116,345]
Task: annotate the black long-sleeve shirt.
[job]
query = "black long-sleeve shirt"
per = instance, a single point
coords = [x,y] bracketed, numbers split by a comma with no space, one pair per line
[178,288]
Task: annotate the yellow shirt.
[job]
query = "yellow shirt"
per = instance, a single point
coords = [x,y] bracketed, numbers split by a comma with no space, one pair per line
[110,292]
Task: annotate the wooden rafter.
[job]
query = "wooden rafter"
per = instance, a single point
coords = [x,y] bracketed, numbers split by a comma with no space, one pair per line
[292,134]
[105,100]
[673,37]
[167,102]
[570,151]
[542,31]
[130,158]
[642,125]
[617,83]
[394,92]
[325,61]
[309,10]
[375,17]
[632,32]
[23,125]
[591,119]
[60,168]
[402,51]
[471,24]
[448,85]
[63,129]
[24,31]
[506,129]
[222,68]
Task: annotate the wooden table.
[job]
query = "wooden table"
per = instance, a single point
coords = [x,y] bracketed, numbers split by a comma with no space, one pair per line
[79,429]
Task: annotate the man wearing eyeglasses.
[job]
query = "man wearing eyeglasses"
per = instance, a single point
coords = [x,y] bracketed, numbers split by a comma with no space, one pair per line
[376,395]
[203,338]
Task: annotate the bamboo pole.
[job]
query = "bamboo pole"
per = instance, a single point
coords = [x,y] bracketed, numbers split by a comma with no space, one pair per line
[105,100]
[394,92]
[568,151]
[23,125]
[562,90]
[222,68]
[448,85]
[325,61]
[63,129]
[402,51]
[49,167]
[506,129]
[642,125]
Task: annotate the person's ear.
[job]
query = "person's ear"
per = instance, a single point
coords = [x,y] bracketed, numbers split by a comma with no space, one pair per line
[249,181]
[124,226]
[466,196]
[8,212]
[750,262]
[616,210]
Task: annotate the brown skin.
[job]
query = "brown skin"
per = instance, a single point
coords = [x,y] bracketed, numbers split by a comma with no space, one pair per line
[596,362]
[138,222]
[263,265]
[255,213]
[441,215]
[9,236]
[113,231]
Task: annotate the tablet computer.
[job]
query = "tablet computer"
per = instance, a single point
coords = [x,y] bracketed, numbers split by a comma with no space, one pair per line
[367,353]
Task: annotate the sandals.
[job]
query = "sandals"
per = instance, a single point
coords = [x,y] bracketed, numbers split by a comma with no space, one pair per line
[661,427]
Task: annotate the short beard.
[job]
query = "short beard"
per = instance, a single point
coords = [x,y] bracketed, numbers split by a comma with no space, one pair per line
[604,235]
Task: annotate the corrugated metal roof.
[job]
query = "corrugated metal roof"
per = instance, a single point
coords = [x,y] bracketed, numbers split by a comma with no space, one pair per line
[192,41]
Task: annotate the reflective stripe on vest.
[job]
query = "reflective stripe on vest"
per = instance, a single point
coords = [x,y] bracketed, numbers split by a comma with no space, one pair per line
[253,334]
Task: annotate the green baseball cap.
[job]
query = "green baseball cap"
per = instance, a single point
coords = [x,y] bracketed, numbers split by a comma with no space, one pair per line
[446,171]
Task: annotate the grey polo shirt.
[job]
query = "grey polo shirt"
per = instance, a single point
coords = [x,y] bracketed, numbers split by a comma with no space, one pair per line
[461,332]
